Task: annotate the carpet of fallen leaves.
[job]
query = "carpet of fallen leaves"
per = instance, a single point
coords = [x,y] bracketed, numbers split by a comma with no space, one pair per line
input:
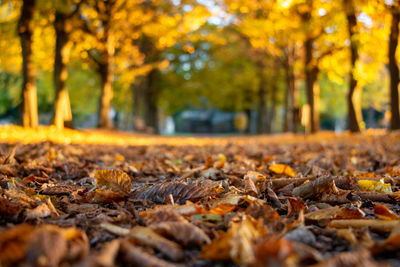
[323,200]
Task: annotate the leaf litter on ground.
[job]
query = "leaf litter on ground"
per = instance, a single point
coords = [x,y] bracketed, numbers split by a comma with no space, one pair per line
[318,202]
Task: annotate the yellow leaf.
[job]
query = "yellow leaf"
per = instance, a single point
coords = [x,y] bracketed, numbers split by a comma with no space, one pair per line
[119,157]
[374,186]
[220,164]
[282,169]
[116,181]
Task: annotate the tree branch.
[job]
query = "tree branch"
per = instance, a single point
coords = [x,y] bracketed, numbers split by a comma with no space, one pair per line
[94,59]
[76,9]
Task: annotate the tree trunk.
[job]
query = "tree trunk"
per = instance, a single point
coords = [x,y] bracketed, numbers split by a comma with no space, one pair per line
[106,73]
[354,95]
[295,93]
[29,112]
[286,108]
[262,106]
[311,75]
[62,115]
[291,100]
[150,98]
[394,69]
[272,112]
[105,97]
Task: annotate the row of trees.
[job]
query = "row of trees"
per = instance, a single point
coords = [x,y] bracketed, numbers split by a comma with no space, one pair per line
[115,37]
[166,50]
[334,37]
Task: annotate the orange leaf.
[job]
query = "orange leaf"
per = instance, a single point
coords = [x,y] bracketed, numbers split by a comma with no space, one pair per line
[222,209]
[382,212]
[282,169]
[349,213]
[220,164]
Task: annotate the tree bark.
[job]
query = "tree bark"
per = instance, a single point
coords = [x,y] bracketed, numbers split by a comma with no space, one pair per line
[286,108]
[354,95]
[291,101]
[272,112]
[311,74]
[106,71]
[262,105]
[150,99]
[62,115]
[394,69]
[29,112]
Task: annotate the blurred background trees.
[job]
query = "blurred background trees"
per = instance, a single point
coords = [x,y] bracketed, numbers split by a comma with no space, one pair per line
[272,65]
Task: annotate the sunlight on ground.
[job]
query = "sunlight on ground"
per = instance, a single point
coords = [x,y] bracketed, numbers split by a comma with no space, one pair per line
[13,134]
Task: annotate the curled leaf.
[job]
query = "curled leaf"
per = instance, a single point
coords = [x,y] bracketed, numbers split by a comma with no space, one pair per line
[255,176]
[382,212]
[114,229]
[42,211]
[183,232]
[349,213]
[150,238]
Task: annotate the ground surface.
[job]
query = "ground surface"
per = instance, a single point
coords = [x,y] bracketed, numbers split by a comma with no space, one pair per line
[149,201]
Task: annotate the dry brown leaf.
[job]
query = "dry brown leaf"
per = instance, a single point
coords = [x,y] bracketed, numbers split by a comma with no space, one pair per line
[322,214]
[47,246]
[135,256]
[378,225]
[348,235]
[219,248]
[147,236]
[41,211]
[181,192]
[237,243]
[97,196]
[107,254]
[255,176]
[13,201]
[243,237]
[160,215]
[13,244]
[114,180]
[249,187]
[272,249]
[114,229]
[183,232]
[349,259]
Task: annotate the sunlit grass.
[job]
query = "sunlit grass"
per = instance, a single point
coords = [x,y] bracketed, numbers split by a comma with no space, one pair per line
[14,134]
